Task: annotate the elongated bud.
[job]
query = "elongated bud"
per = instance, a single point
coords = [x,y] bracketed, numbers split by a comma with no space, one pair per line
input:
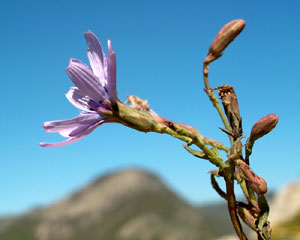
[247,217]
[259,129]
[263,127]
[258,184]
[231,107]
[224,37]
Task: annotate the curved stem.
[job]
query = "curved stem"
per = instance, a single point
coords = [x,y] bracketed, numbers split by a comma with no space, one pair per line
[231,203]
[217,188]
[214,99]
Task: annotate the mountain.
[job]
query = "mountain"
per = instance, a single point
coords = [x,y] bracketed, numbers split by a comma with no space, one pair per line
[285,204]
[136,205]
[126,205]
[288,230]
[285,213]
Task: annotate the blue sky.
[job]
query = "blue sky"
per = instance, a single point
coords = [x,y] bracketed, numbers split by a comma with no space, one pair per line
[160,46]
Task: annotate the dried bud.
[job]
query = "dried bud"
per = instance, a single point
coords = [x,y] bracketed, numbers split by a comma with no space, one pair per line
[231,107]
[247,217]
[258,184]
[224,37]
[263,126]
[137,103]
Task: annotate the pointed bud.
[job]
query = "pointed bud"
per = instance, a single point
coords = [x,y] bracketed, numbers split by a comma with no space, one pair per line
[247,217]
[263,126]
[231,108]
[259,129]
[224,37]
[257,183]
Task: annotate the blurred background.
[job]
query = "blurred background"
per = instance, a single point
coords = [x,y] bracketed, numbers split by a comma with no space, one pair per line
[160,47]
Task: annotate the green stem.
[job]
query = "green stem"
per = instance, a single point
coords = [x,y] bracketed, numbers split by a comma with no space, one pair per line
[231,202]
[213,158]
[217,188]
[215,101]
[214,143]
[252,198]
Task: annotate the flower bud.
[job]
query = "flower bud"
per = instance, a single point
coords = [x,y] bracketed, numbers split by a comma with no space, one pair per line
[247,217]
[263,126]
[224,37]
[231,108]
[257,183]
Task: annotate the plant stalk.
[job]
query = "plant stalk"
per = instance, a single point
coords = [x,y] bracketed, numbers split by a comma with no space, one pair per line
[231,202]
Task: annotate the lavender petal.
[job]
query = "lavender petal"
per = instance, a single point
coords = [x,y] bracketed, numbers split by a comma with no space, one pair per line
[64,126]
[112,75]
[96,56]
[60,144]
[78,99]
[85,80]
[87,131]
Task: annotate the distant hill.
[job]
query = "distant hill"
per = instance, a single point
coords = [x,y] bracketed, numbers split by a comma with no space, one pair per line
[127,205]
[285,213]
[288,230]
[136,205]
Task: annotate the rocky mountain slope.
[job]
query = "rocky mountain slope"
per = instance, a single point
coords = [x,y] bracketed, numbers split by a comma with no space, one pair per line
[128,205]
[136,205]
[286,204]
[285,213]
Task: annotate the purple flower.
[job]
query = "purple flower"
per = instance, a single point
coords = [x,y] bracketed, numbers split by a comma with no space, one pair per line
[93,85]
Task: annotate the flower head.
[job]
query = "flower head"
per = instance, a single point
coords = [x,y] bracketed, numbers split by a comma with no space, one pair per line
[94,85]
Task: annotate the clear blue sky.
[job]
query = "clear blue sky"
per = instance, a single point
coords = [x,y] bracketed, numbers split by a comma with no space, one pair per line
[160,46]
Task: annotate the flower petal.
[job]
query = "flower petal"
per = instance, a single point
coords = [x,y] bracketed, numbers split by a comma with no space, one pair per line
[60,144]
[112,75]
[87,131]
[96,56]
[69,125]
[82,76]
[78,99]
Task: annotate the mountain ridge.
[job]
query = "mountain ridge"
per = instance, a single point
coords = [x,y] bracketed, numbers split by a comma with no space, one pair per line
[124,205]
[134,204]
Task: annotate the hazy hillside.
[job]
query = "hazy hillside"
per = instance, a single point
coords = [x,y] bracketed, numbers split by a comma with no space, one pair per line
[288,230]
[136,205]
[285,213]
[128,205]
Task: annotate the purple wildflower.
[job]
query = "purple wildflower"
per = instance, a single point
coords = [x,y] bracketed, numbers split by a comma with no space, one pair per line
[93,85]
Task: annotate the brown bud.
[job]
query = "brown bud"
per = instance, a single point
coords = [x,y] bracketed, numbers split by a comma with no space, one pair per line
[224,37]
[247,217]
[257,183]
[263,126]
[231,107]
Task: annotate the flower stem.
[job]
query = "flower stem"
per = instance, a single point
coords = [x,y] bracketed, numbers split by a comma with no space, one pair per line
[231,202]
[215,101]
[217,188]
